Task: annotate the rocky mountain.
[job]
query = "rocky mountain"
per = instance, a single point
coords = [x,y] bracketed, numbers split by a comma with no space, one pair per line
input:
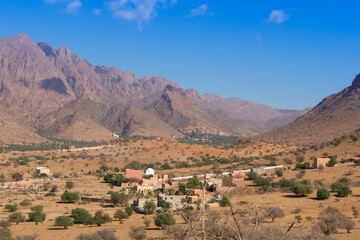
[334,116]
[30,71]
[84,119]
[265,118]
[177,109]
[44,82]
[14,127]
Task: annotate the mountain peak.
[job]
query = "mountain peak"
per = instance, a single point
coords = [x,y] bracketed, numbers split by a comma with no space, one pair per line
[356,81]
[47,49]
[23,37]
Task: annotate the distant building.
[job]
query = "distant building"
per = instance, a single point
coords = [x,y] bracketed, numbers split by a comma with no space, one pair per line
[259,170]
[153,181]
[138,204]
[175,200]
[40,170]
[194,195]
[133,174]
[72,147]
[144,188]
[149,172]
[321,162]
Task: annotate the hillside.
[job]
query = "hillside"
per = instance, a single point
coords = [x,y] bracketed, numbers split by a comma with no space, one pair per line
[334,116]
[177,109]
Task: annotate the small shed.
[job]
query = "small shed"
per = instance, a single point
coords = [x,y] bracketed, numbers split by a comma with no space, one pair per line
[149,172]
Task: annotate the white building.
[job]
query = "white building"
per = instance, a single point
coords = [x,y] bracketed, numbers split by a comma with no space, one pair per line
[149,172]
[40,170]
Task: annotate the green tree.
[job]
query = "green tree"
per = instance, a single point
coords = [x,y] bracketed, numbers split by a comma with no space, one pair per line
[129,210]
[164,205]
[119,198]
[164,219]
[344,191]
[279,173]
[302,189]
[333,161]
[166,166]
[37,217]
[80,215]
[17,217]
[63,221]
[193,182]
[149,207]
[275,212]
[100,219]
[322,193]
[70,197]
[11,207]
[224,202]
[182,189]
[121,215]
[252,175]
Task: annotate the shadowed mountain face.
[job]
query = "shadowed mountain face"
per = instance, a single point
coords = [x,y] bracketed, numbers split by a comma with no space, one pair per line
[43,81]
[334,116]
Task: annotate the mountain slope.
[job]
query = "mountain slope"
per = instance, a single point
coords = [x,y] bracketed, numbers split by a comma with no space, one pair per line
[264,117]
[337,114]
[14,128]
[177,109]
[84,119]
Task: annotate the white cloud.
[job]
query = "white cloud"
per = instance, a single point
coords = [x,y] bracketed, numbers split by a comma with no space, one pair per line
[56,1]
[137,10]
[201,10]
[73,6]
[278,16]
[97,11]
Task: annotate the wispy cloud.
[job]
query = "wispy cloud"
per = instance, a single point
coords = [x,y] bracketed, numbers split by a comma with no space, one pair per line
[278,16]
[137,10]
[201,10]
[97,11]
[72,6]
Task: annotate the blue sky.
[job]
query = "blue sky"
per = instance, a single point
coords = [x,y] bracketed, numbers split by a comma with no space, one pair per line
[286,54]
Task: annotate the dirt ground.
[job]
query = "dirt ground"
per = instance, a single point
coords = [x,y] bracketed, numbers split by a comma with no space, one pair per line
[150,151]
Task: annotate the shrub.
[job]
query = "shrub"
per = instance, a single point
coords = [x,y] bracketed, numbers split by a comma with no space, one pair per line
[70,197]
[37,215]
[302,189]
[166,166]
[149,207]
[63,221]
[252,175]
[147,222]
[105,234]
[121,215]
[279,173]
[333,161]
[193,182]
[275,212]
[100,219]
[5,234]
[330,220]
[119,198]
[129,210]
[344,191]
[25,202]
[164,205]
[80,215]
[349,225]
[11,207]
[137,233]
[69,184]
[164,219]
[284,183]
[17,217]
[224,202]
[323,193]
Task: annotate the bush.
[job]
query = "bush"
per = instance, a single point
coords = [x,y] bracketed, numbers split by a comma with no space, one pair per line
[302,189]
[63,221]
[166,166]
[275,212]
[164,219]
[279,173]
[17,217]
[119,198]
[137,233]
[37,215]
[100,219]
[69,184]
[129,210]
[25,202]
[284,183]
[252,175]
[344,191]
[80,215]
[303,165]
[11,208]
[5,234]
[224,202]
[70,197]
[323,193]
[330,220]
[149,207]
[164,205]
[121,215]
[333,161]
[105,234]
